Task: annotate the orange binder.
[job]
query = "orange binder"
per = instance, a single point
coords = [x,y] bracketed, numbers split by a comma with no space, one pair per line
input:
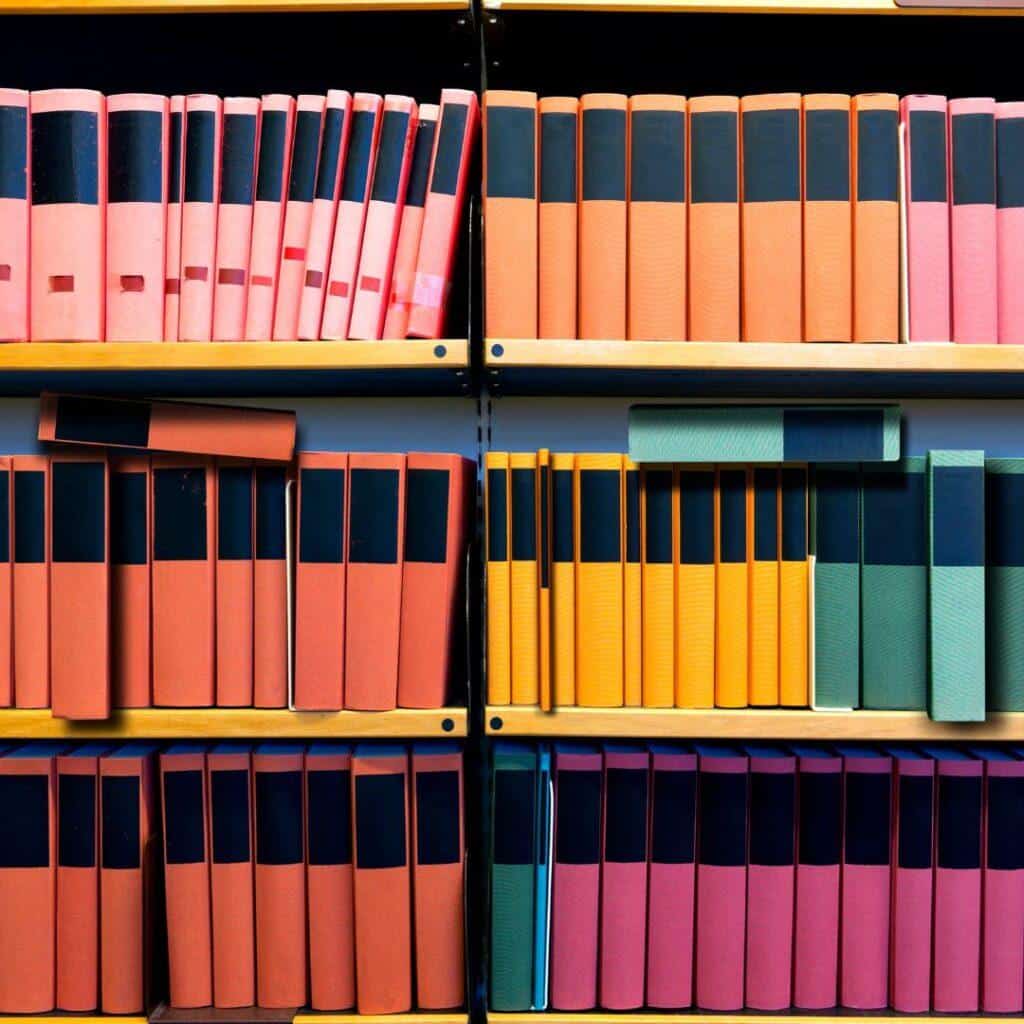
[763,603]
[31,580]
[380,823]
[556,224]
[373,583]
[6,585]
[172,236]
[632,587]
[498,581]
[79,585]
[660,521]
[731,583]
[695,589]
[563,581]
[793,615]
[523,578]
[270,584]
[183,581]
[15,174]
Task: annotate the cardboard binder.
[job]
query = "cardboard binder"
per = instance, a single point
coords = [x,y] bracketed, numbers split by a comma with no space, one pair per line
[632,592]
[926,163]
[771,213]
[137,127]
[332,966]
[31,601]
[1009,128]
[270,586]
[732,659]
[867,853]
[172,236]
[129,865]
[79,585]
[69,198]
[695,589]
[542,880]
[794,690]
[660,516]
[657,218]
[187,874]
[15,151]
[510,214]
[437,497]
[827,221]
[439,875]
[234,583]
[380,822]
[524,578]
[764,585]
[603,219]
[544,571]
[330,167]
[499,638]
[1004,596]
[6,584]
[563,582]
[273,169]
[557,217]
[320,581]
[229,782]
[671,872]
[281,951]
[973,221]
[818,858]
[130,581]
[373,583]
[183,580]
[367,116]
[234,217]
[309,120]
[201,176]
[372,281]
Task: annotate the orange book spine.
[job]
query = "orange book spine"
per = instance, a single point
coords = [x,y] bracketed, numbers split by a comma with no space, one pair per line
[270,584]
[731,587]
[31,581]
[6,583]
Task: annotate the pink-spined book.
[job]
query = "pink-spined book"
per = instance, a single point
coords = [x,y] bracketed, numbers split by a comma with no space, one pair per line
[172,233]
[1010,221]
[15,175]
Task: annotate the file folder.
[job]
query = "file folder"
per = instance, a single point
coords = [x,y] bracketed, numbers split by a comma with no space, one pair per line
[1004,597]
[510,214]
[234,627]
[69,199]
[542,880]
[696,598]
[671,872]
[764,587]
[714,219]
[632,579]
[557,217]
[270,584]
[563,582]
[6,584]
[827,218]
[544,573]
[229,782]
[137,127]
[499,604]
[373,583]
[31,571]
[380,781]
[657,218]
[771,214]
[332,967]
[172,236]
[660,515]
[794,690]
[1009,131]
[202,177]
[732,659]
[183,581]
[187,874]
[15,152]
[79,585]
[524,578]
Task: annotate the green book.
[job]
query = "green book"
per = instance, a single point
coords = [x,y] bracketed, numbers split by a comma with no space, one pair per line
[956,586]
[513,866]
[894,585]
[764,433]
[1004,583]
[835,545]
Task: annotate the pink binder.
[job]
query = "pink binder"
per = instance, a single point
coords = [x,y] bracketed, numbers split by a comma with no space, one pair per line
[172,234]
[1010,221]
[277,120]
[201,187]
[14,214]
[136,216]
[348,230]
[69,185]
[383,216]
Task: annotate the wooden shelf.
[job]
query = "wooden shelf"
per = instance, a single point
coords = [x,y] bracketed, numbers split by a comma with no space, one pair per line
[221,6]
[742,7]
[423,1017]
[839,1016]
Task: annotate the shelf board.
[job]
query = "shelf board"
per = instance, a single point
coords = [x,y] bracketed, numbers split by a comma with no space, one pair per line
[742,7]
[423,1017]
[837,1016]
[221,6]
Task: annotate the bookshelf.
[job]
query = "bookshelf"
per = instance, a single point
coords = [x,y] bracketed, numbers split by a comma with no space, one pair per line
[599,1017]
[222,6]
[739,7]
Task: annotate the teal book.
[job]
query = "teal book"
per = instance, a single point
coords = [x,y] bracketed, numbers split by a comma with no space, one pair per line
[956,585]
[894,585]
[1004,583]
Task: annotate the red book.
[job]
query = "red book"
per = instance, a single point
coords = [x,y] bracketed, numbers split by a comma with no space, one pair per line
[270,599]
[31,617]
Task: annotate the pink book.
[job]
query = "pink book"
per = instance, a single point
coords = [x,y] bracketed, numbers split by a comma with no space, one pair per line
[277,120]
[14,214]
[203,131]
[927,211]
[910,963]
[864,936]
[69,186]
[383,217]
[442,215]
[331,167]
[770,878]
[298,213]
[624,877]
[973,221]
[670,891]
[234,217]
[172,234]
[396,321]
[721,877]
[1009,127]
[348,229]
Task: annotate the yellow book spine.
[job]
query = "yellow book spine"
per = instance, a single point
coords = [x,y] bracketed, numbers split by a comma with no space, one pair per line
[633,584]
[659,518]
[731,663]
[763,560]
[525,579]
[544,592]
[695,589]
[499,685]
[794,688]
[563,583]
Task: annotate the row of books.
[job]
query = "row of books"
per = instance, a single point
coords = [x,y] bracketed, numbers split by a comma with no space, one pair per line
[770,217]
[136,217]
[760,877]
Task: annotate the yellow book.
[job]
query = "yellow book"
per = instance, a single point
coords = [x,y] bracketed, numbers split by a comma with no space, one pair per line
[563,582]
[695,589]
[793,597]
[660,519]
[544,593]
[731,587]
[524,578]
[599,580]
[499,686]
[633,594]
[763,566]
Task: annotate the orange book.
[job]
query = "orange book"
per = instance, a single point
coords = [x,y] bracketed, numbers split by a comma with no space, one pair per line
[270,583]
[6,585]
[657,218]
[731,583]
[764,654]
[772,238]
[31,572]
